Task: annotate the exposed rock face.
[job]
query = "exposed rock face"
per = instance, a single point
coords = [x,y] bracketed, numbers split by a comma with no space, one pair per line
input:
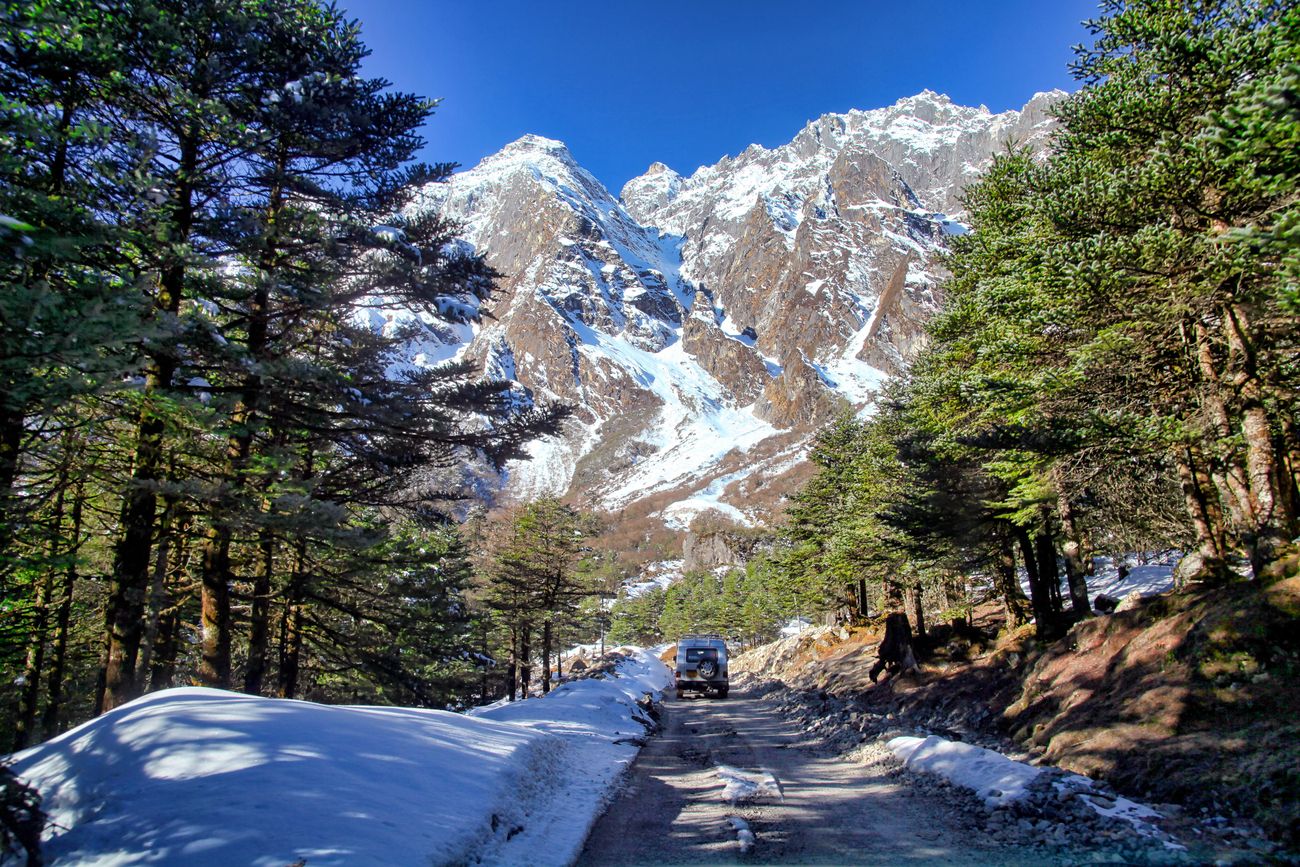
[714,547]
[729,357]
[699,316]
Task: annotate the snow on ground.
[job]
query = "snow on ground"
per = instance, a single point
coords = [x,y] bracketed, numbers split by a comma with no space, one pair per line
[209,778]
[602,729]
[999,781]
[744,834]
[739,785]
[659,574]
[996,779]
[795,626]
[1149,574]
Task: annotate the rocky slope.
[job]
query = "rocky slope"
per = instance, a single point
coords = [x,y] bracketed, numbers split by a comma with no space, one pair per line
[1186,700]
[703,326]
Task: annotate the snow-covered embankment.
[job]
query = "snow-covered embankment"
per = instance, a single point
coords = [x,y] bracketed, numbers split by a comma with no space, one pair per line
[206,777]
[1002,782]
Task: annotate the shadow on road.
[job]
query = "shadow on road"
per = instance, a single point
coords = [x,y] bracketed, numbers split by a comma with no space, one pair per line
[832,811]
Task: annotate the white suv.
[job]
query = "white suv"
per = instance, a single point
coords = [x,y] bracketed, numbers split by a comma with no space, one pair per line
[701,664]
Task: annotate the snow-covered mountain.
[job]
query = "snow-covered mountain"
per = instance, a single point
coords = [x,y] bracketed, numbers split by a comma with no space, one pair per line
[703,326]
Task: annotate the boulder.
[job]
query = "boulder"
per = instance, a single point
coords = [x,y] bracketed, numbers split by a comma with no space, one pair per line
[1129,602]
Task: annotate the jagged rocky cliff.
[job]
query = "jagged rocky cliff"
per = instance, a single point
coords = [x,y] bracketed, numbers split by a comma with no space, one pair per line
[703,326]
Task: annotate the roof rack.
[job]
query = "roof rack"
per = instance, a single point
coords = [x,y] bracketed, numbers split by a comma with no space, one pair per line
[712,635]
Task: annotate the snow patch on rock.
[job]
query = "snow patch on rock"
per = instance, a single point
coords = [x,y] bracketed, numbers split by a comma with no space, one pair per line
[741,785]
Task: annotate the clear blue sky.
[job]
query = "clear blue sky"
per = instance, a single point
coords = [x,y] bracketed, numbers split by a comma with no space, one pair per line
[685,82]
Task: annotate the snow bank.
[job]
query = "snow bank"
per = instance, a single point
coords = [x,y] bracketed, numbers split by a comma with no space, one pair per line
[999,781]
[602,728]
[996,779]
[205,777]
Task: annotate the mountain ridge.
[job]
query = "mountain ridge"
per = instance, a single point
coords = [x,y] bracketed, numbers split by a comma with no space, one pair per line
[703,327]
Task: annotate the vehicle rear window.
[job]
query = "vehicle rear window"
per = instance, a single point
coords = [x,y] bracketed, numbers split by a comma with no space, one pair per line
[695,654]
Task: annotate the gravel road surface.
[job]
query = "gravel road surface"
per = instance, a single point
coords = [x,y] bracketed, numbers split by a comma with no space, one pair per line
[804,805]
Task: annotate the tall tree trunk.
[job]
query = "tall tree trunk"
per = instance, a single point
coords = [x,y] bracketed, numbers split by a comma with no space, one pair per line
[1073,549]
[291,624]
[158,589]
[52,719]
[1268,532]
[1048,571]
[1205,518]
[290,650]
[525,658]
[1229,474]
[1014,603]
[162,673]
[51,722]
[484,689]
[214,670]
[30,695]
[546,655]
[512,670]
[166,639]
[918,609]
[1039,596]
[130,581]
[1268,536]
[259,633]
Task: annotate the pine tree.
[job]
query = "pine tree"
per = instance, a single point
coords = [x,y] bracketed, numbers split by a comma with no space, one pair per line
[1188,328]
[67,307]
[203,208]
[535,576]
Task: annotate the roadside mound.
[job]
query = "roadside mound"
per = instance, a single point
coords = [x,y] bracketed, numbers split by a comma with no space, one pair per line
[210,778]
[1186,698]
[205,777]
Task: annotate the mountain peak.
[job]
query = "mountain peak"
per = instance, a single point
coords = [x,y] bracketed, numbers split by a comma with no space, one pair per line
[542,156]
[657,168]
[1049,95]
[926,95]
[537,143]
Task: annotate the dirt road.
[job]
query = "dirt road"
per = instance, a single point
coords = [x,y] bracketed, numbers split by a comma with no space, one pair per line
[814,808]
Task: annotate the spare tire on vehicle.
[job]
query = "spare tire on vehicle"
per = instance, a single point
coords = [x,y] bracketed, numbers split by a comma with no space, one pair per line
[708,669]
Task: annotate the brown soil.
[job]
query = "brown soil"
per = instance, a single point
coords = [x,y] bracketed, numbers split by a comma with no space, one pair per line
[1189,698]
